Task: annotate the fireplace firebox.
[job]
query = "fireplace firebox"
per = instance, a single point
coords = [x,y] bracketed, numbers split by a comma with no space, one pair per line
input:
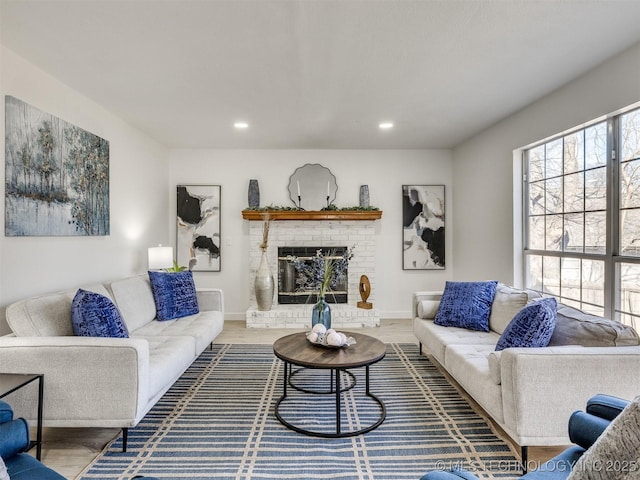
[294,288]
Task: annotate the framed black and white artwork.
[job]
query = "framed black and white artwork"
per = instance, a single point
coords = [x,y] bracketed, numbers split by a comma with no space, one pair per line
[198,227]
[423,229]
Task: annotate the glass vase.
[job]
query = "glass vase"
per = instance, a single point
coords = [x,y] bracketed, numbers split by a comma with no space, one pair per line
[264,285]
[321,313]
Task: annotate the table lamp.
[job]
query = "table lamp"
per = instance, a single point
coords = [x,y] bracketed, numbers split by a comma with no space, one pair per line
[160,257]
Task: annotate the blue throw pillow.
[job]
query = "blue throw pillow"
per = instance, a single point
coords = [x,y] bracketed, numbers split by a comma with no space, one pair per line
[94,315]
[174,294]
[466,305]
[531,327]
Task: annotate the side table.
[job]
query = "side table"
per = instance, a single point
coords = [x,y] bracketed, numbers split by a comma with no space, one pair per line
[9,383]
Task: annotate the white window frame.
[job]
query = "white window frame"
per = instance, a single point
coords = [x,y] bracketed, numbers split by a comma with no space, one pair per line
[611,257]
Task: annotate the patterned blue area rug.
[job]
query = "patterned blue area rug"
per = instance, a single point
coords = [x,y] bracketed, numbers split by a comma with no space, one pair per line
[218,422]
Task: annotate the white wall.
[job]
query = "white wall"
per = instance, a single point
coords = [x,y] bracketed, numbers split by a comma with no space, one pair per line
[139,197]
[385,171]
[483,171]
[479,185]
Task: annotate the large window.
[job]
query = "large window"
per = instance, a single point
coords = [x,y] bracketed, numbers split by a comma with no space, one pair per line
[627,266]
[582,218]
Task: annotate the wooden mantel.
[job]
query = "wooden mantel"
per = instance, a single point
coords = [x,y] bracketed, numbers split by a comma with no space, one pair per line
[312,215]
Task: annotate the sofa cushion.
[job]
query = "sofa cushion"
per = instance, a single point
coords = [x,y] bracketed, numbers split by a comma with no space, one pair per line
[202,327]
[507,302]
[134,298]
[94,315]
[466,305]
[169,357]
[47,315]
[436,338]
[428,309]
[469,365]
[531,327]
[614,456]
[575,327]
[174,294]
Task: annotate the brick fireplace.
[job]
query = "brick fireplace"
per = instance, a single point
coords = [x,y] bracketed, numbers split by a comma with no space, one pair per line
[288,231]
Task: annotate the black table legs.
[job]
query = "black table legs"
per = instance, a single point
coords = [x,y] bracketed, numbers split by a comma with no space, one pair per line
[337,389]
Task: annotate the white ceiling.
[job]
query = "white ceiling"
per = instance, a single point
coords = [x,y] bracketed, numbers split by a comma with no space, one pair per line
[316,73]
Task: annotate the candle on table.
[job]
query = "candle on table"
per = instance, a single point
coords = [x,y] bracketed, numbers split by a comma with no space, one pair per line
[328,191]
[298,187]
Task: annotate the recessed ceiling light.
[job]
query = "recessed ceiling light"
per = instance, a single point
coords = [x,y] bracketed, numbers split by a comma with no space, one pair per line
[241,125]
[385,125]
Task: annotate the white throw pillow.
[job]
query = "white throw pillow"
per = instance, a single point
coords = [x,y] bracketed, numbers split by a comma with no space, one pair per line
[507,302]
[427,309]
[614,456]
[4,475]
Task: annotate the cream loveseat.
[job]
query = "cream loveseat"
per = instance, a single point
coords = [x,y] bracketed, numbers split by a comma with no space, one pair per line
[530,392]
[104,382]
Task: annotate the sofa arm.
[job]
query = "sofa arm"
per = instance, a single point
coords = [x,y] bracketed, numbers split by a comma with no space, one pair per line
[14,437]
[606,406]
[424,295]
[584,428]
[88,381]
[210,299]
[542,387]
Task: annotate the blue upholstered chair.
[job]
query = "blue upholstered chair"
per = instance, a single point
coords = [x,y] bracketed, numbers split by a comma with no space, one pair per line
[14,441]
[584,430]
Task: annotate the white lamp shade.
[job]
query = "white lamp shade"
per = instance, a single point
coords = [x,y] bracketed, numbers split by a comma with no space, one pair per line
[160,257]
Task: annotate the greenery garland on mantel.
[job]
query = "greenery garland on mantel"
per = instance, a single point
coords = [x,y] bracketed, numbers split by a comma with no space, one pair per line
[330,208]
[274,212]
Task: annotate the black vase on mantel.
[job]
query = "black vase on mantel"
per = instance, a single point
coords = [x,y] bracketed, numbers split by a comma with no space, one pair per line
[254,193]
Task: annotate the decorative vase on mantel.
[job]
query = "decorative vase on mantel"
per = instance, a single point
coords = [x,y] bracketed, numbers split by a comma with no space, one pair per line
[264,284]
[254,193]
[321,313]
[364,196]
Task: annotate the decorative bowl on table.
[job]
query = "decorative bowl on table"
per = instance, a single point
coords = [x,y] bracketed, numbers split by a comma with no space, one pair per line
[329,338]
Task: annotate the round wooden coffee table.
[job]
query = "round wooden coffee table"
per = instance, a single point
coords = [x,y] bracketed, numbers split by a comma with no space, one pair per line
[296,350]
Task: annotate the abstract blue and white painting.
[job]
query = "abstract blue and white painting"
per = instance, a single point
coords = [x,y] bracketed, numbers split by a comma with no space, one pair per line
[56,175]
[423,227]
[198,227]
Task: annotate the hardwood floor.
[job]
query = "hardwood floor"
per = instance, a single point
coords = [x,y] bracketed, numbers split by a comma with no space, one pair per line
[70,450]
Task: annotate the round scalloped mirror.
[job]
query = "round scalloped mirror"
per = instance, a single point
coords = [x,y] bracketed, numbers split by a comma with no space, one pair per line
[312,187]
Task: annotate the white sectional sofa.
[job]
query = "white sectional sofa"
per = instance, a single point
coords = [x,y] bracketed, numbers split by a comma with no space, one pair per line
[104,382]
[530,392]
